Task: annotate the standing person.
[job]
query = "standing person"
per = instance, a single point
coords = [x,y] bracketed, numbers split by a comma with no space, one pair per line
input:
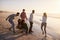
[10,18]
[31,21]
[23,15]
[44,19]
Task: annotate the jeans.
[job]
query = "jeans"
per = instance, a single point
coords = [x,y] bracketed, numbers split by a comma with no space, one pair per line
[31,25]
[12,25]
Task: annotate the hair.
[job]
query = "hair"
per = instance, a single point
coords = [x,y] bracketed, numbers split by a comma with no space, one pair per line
[23,21]
[45,14]
[19,21]
[17,12]
[33,10]
[23,9]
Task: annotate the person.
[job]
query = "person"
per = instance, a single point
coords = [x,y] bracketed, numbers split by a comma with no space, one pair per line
[23,18]
[22,25]
[23,15]
[31,21]
[43,24]
[10,18]
[19,24]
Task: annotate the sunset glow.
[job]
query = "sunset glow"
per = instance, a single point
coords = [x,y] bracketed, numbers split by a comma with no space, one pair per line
[49,6]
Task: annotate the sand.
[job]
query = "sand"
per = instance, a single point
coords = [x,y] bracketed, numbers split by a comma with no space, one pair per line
[5,34]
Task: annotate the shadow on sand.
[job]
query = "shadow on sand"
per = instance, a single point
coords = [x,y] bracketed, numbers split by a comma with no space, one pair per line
[10,36]
[44,38]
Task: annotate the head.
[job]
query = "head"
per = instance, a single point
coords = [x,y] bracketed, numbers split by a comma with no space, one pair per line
[45,14]
[17,14]
[19,20]
[23,10]
[22,22]
[33,11]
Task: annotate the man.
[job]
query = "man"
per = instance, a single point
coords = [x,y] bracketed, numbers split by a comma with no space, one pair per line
[31,21]
[23,15]
[10,18]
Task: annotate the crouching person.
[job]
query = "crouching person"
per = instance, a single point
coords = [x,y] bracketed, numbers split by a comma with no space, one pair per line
[22,26]
[19,24]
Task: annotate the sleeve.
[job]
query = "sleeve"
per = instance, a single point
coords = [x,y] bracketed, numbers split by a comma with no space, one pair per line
[7,17]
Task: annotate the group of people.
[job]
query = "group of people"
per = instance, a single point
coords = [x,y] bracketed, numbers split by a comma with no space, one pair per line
[22,24]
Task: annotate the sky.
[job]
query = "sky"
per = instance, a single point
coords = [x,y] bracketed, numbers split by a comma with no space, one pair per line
[40,6]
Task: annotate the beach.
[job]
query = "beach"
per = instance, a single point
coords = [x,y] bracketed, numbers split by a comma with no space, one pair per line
[53,29]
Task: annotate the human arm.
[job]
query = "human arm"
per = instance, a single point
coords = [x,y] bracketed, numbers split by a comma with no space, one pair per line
[7,18]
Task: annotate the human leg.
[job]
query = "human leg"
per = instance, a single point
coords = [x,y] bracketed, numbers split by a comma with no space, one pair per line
[45,28]
[31,25]
[42,28]
[12,25]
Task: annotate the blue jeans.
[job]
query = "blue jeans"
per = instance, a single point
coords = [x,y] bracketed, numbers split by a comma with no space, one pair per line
[12,25]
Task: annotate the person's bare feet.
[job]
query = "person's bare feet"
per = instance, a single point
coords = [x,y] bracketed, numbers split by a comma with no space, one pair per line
[43,33]
[31,32]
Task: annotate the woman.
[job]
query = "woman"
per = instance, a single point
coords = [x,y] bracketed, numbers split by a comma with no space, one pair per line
[43,24]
